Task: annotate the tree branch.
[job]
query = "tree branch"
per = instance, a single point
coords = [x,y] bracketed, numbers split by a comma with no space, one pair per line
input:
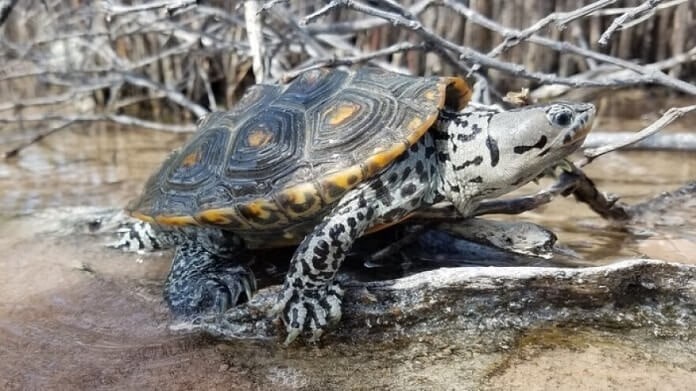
[620,22]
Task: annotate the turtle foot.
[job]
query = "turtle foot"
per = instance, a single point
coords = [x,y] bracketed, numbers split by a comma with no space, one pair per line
[200,283]
[213,291]
[310,310]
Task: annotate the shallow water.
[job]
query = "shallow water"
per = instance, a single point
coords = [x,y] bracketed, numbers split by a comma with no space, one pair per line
[76,316]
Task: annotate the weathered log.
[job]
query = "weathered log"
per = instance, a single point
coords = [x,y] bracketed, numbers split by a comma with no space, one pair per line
[633,294]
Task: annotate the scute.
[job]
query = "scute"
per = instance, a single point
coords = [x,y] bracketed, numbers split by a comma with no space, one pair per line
[286,153]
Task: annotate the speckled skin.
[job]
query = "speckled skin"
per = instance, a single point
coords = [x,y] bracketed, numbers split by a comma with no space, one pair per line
[465,157]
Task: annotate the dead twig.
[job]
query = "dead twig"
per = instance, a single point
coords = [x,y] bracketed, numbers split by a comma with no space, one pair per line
[670,116]
[172,7]
[611,71]
[646,75]
[115,118]
[641,75]
[561,19]
[348,61]
[252,17]
[606,205]
[9,154]
[358,25]
[682,141]
[620,22]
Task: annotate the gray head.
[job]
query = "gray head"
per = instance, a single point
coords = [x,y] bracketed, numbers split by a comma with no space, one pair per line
[494,153]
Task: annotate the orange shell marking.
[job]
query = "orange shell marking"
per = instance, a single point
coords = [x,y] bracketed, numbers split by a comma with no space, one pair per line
[191,159]
[346,178]
[259,138]
[175,220]
[216,216]
[431,94]
[262,212]
[142,217]
[256,209]
[380,160]
[338,115]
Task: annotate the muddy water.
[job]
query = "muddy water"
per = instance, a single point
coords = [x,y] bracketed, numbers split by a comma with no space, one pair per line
[76,316]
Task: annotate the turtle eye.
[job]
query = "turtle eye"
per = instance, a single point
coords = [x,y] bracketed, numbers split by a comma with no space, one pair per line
[563,118]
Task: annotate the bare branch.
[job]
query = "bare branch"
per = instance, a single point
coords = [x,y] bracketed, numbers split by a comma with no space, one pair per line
[682,141]
[172,94]
[628,16]
[611,72]
[561,19]
[253,27]
[320,12]
[670,116]
[172,6]
[112,55]
[479,59]
[648,74]
[361,24]
[349,61]
[40,136]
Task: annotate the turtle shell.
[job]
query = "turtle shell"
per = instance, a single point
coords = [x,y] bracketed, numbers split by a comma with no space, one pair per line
[286,153]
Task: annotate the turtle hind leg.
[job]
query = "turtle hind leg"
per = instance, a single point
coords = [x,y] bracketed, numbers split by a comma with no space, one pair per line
[202,282]
[135,235]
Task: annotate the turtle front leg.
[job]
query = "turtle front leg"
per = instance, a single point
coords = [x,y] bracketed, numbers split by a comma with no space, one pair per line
[311,299]
[202,282]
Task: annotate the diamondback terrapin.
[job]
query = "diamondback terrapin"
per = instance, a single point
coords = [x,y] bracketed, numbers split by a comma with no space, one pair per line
[323,160]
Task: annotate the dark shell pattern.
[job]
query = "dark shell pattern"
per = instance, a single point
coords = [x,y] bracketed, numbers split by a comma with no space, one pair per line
[286,153]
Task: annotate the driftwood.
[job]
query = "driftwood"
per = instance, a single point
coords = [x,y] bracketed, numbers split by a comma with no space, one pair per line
[482,301]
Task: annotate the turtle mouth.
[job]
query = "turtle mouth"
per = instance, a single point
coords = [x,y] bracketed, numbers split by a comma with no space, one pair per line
[581,126]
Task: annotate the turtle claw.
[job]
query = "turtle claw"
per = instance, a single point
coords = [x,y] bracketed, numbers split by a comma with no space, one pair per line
[249,287]
[292,335]
[316,335]
[312,311]
[213,292]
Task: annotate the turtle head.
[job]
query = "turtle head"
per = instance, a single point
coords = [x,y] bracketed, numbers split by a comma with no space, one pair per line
[494,153]
[530,139]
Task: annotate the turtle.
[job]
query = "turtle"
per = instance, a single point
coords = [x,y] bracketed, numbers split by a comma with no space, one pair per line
[322,160]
